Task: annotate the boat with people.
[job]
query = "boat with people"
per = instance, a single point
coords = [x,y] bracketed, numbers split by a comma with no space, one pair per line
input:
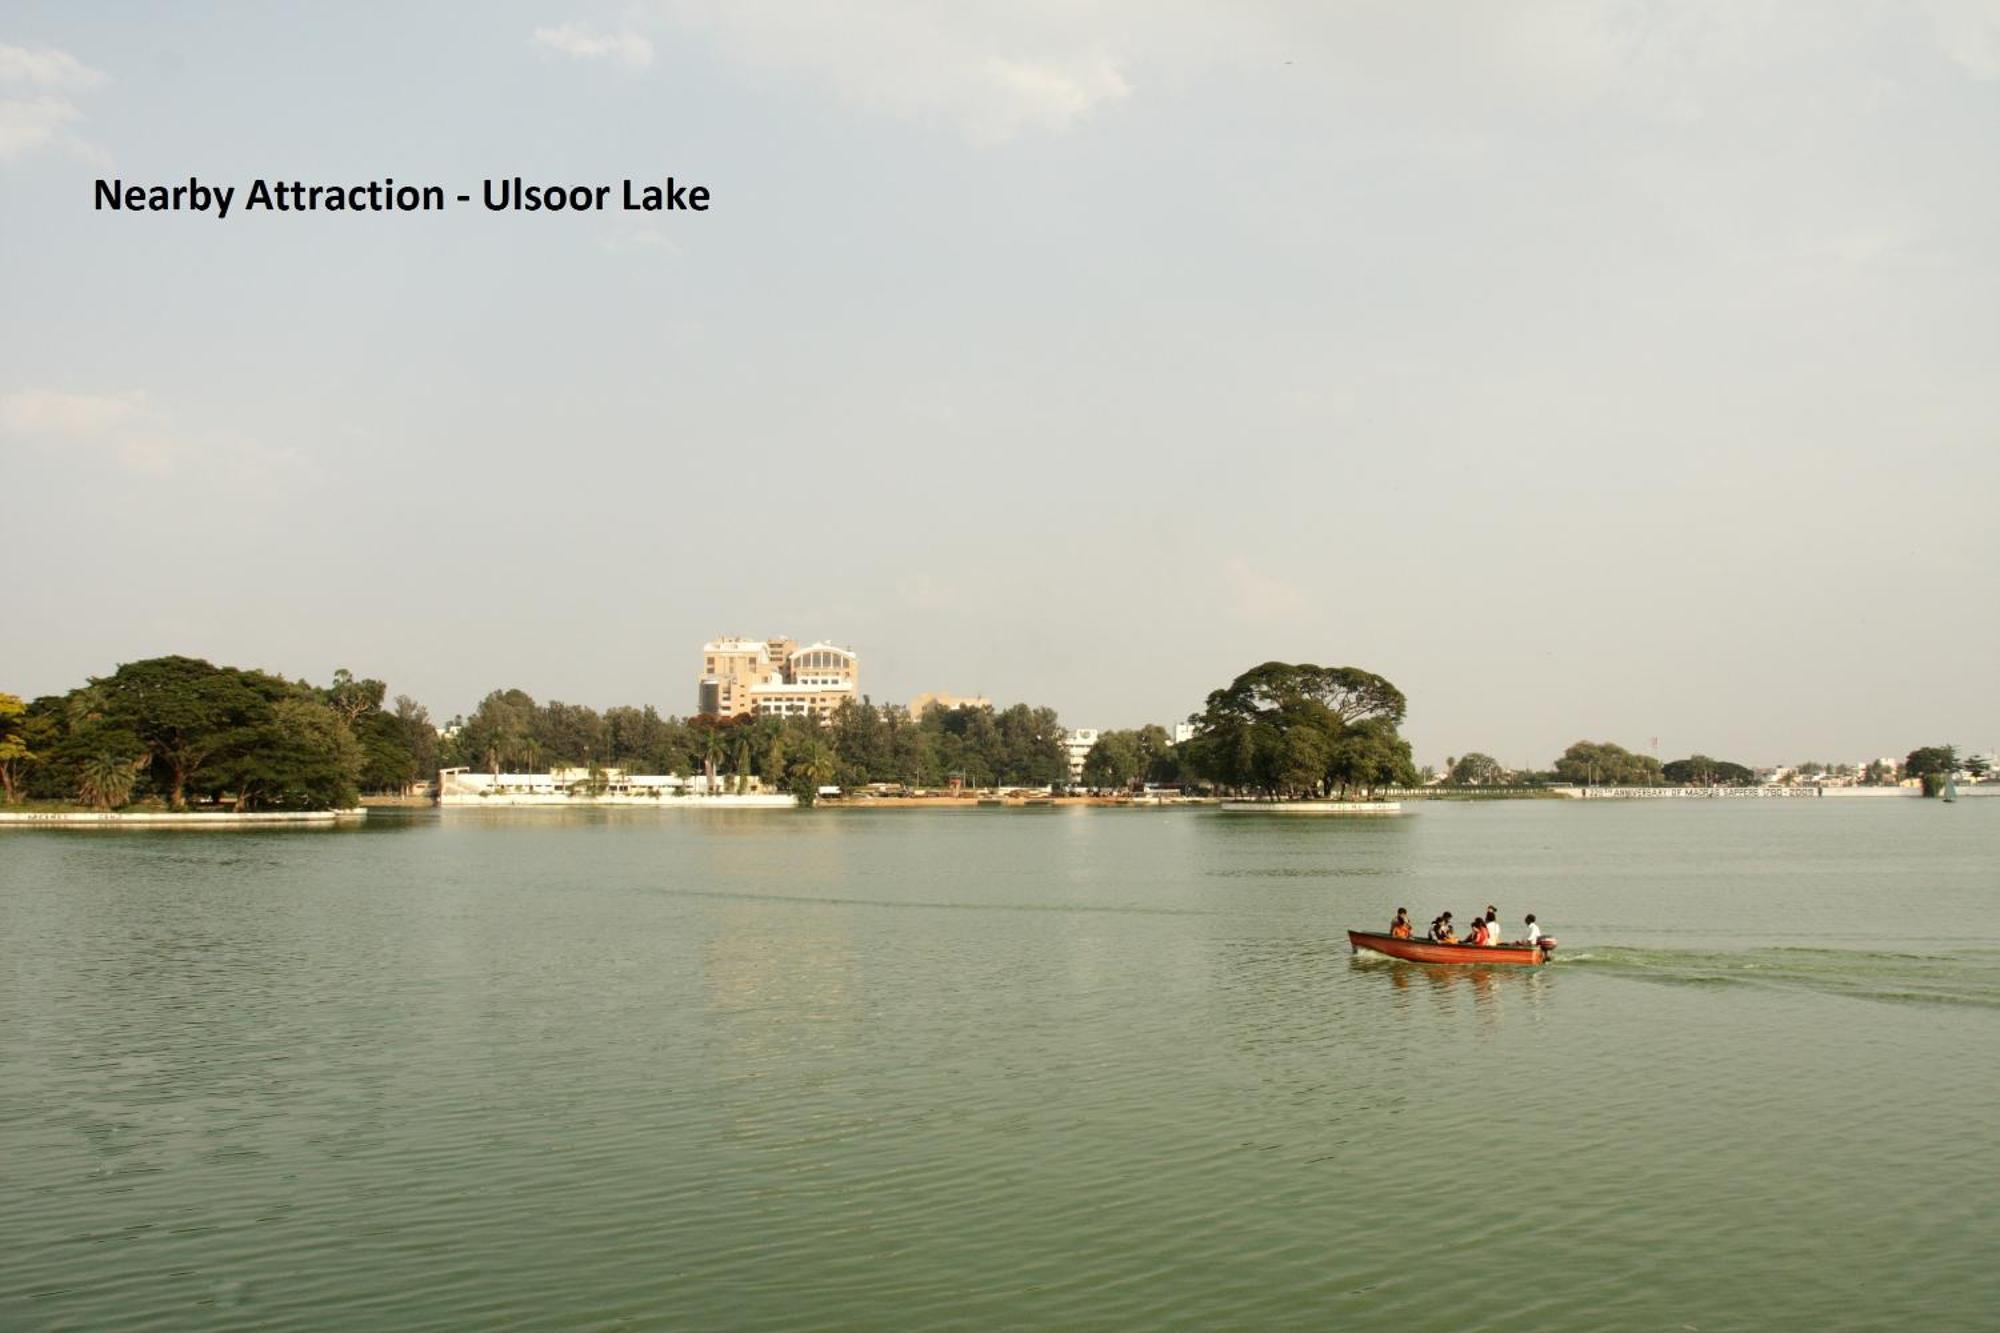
[1521,954]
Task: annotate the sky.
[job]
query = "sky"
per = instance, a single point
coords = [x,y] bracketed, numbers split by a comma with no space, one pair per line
[1612,370]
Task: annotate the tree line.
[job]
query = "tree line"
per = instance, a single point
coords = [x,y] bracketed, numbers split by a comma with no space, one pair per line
[1603,764]
[184,732]
[862,743]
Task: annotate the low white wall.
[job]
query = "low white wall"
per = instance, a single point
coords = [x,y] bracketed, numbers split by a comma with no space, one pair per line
[171,819]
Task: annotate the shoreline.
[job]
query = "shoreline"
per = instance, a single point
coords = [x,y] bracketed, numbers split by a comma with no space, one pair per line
[174,818]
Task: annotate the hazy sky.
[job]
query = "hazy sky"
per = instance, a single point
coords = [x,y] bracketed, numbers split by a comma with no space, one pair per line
[1613,370]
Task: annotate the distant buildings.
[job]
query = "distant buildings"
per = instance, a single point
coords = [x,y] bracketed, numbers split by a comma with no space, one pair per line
[775,677]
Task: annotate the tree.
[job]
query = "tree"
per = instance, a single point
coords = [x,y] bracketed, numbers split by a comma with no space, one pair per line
[1977,766]
[352,699]
[498,733]
[1602,764]
[1931,765]
[814,768]
[304,758]
[15,756]
[1698,770]
[184,711]
[388,752]
[105,780]
[1370,754]
[1475,770]
[711,754]
[568,735]
[1113,762]
[421,736]
[1302,729]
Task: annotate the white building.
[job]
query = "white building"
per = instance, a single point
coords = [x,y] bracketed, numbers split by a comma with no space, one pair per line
[1077,744]
[609,786]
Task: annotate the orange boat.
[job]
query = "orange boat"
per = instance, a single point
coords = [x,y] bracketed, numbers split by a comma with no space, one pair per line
[1428,951]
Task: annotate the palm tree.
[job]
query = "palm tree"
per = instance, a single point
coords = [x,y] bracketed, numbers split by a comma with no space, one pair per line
[711,755]
[814,768]
[742,766]
[106,781]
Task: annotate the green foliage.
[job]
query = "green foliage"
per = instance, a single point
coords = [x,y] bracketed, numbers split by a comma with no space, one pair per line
[185,712]
[304,758]
[498,737]
[1475,770]
[185,730]
[15,752]
[1698,770]
[1931,759]
[1114,762]
[353,699]
[1303,730]
[1123,759]
[1602,764]
[1932,765]
[105,779]
[388,745]
[814,768]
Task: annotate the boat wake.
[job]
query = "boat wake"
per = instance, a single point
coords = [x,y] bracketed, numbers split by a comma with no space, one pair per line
[1969,977]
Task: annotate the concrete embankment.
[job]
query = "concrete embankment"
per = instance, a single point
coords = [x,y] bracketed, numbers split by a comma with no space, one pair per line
[173,818]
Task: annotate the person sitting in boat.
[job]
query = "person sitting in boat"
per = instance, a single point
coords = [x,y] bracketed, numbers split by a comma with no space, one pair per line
[1532,933]
[1492,925]
[1400,927]
[1441,931]
[1479,934]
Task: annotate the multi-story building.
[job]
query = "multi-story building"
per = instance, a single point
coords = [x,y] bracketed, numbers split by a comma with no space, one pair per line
[1077,745]
[775,677]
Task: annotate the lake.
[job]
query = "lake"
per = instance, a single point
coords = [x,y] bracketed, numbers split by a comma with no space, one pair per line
[1004,1068]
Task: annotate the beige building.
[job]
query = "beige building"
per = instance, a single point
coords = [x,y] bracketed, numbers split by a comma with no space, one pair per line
[775,677]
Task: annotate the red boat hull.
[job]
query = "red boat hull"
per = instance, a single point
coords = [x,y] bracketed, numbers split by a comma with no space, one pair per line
[1425,951]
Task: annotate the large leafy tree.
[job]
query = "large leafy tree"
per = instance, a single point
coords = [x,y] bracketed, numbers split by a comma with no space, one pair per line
[1301,729]
[1602,764]
[1931,765]
[1475,770]
[1931,759]
[1699,770]
[186,713]
[388,748]
[498,734]
[304,758]
[421,735]
[571,735]
[1113,762]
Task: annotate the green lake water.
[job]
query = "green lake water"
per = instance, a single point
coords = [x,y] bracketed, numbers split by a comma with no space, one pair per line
[1059,1069]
